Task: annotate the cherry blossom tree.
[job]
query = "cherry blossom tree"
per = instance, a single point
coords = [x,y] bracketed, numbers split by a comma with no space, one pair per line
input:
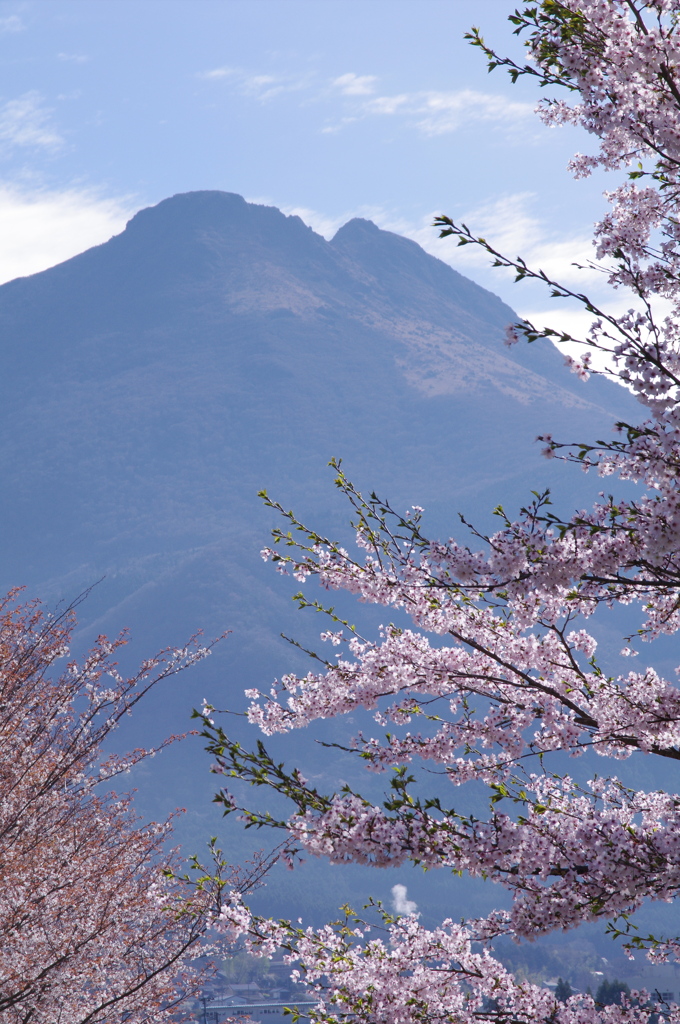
[498,668]
[96,922]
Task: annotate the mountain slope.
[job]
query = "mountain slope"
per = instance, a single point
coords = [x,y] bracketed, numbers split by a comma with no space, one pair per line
[152,385]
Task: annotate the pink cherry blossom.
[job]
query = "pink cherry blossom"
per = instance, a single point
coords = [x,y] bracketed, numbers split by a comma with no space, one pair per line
[97,924]
[498,666]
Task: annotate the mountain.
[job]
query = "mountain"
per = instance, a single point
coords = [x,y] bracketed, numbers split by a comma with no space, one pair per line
[152,385]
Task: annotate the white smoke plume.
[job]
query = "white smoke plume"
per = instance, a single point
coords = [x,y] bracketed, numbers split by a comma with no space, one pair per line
[400,902]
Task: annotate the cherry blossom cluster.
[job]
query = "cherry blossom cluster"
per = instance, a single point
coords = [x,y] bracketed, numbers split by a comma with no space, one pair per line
[490,660]
[396,970]
[96,924]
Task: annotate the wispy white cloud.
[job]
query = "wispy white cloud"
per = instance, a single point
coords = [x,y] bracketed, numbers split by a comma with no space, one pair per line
[431,112]
[11,23]
[26,122]
[74,58]
[447,111]
[41,229]
[512,227]
[257,86]
[355,85]
[216,73]
[263,87]
[439,113]
[388,105]
[337,125]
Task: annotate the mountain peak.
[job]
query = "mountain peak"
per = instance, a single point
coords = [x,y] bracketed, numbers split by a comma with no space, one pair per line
[363,236]
[356,228]
[207,208]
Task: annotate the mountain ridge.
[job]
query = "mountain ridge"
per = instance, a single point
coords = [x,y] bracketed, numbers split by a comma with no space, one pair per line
[316,278]
[154,384]
[208,312]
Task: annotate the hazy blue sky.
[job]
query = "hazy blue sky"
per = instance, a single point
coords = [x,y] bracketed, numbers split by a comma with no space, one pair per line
[327,108]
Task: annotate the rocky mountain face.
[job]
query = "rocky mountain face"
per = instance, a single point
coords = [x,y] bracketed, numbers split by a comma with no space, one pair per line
[152,385]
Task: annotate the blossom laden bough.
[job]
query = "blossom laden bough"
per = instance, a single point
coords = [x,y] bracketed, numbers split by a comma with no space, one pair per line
[97,923]
[499,666]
